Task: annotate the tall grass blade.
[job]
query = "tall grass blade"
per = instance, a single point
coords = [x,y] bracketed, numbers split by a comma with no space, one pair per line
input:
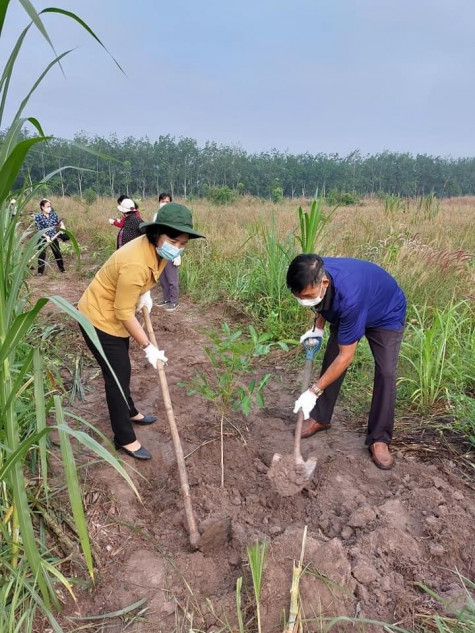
[3,12]
[18,487]
[21,383]
[85,26]
[8,70]
[12,165]
[35,18]
[19,453]
[239,604]
[73,486]
[40,417]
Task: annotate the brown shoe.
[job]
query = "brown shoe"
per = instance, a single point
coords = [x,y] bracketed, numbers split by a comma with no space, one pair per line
[381,456]
[311,426]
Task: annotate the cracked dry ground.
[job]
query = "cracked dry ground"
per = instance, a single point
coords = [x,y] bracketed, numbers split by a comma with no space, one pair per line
[371,534]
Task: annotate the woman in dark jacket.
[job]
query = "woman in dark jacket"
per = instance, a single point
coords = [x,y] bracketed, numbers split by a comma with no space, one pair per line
[129,223]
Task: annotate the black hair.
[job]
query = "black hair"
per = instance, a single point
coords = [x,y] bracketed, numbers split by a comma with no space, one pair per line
[136,206]
[164,195]
[305,270]
[43,202]
[154,230]
[120,198]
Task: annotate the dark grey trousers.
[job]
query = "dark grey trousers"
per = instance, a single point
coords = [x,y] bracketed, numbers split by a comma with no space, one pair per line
[385,346]
[169,283]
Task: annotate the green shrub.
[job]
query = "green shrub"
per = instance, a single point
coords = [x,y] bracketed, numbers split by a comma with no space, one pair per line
[222,195]
[342,198]
[277,194]
[89,196]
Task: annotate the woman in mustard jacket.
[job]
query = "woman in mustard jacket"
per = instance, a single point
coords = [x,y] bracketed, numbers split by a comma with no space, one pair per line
[120,289]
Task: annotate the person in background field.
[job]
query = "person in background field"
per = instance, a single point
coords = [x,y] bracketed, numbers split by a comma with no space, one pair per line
[169,277]
[129,222]
[357,298]
[51,225]
[119,290]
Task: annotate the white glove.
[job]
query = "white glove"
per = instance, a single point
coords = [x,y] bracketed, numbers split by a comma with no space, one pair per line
[111,220]
[47,237]
[153,355]
[306,402]
[177,261]
[312,333]
[145,301]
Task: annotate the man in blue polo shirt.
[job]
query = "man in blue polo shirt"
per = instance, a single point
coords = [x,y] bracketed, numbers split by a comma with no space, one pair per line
[357,298]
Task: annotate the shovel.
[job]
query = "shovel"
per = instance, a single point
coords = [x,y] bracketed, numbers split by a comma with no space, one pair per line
[219,532]
[290,474]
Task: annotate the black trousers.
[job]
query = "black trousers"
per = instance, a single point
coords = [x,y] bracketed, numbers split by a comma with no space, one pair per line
[57,255]
[116,349]
[385,346]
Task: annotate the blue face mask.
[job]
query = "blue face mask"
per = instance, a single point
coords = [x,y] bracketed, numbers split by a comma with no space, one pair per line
[168,251]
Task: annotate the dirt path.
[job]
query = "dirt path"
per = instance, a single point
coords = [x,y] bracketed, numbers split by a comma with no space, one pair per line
[371,534]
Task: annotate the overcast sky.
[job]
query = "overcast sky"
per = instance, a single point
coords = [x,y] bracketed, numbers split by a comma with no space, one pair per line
[297,75]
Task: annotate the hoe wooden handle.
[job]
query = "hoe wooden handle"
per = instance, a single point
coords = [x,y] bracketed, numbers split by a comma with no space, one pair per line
[180,458]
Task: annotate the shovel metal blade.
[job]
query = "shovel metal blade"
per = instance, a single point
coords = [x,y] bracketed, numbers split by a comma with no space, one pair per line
[290,476]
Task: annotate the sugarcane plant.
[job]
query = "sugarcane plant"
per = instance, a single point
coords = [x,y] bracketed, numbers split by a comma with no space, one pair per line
[28,570]
[312,225]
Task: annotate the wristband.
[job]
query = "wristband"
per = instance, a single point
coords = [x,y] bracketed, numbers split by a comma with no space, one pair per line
[316,390]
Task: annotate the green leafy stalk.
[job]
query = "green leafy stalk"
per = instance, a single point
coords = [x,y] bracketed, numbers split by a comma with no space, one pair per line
[74,489]
[239,604]
[256,555]
[312,225]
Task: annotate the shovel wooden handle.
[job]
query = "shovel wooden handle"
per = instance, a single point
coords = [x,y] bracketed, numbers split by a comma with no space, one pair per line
[180,458]
[307,375]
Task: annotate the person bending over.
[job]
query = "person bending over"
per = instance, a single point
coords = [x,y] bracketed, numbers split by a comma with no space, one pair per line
[357,298]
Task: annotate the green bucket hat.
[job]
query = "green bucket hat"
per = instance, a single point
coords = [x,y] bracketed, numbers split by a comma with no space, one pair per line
[175,216]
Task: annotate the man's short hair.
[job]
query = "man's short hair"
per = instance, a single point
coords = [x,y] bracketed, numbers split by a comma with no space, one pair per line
[305,270]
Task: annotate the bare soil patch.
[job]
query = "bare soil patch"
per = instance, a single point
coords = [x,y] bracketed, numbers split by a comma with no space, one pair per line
[371,534]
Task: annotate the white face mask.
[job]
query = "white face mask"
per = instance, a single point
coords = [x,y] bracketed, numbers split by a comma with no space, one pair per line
[162,204]
[310,303]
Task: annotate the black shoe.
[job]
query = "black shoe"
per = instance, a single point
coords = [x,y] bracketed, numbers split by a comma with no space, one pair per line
[141,453]
[147,419]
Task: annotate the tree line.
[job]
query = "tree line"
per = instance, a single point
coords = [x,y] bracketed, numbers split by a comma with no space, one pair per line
[143,167]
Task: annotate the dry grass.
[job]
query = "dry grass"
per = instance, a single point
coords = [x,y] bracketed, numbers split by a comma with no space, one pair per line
[426,254]
[417,249]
